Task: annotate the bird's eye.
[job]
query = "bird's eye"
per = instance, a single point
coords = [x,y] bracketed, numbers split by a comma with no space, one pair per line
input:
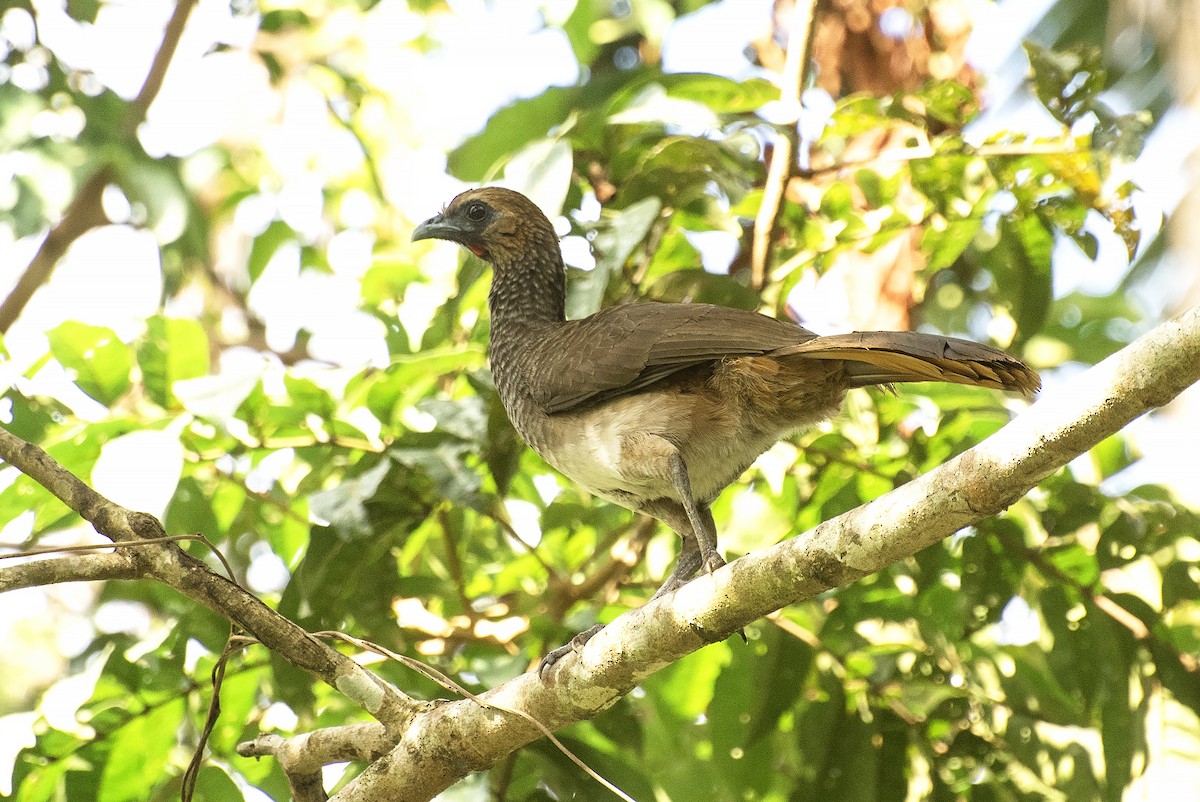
[476,212]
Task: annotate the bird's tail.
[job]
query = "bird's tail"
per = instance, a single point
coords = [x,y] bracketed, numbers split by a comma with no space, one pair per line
[883,357]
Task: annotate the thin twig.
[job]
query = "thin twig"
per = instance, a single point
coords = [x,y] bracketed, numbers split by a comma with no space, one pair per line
[172,34]
[783,159]
[192,773]
[149,541]
[454,564]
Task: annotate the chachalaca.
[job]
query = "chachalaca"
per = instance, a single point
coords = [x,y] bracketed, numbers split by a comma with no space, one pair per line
[659,406]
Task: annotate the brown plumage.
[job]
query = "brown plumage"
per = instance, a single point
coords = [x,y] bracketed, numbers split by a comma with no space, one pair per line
[658,407]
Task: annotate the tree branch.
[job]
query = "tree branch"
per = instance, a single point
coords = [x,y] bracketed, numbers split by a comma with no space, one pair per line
[82,215]
[783,159]
[449,741]
[173,567]
[303,756]
[85,211]
[75,568]
[309,752]
[172,34]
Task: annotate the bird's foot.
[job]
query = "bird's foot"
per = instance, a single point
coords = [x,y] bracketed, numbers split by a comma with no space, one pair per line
[712,561]
[573,645]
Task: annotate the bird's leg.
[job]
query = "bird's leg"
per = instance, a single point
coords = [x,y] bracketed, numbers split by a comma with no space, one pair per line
[699,516]
[685,567]
[690,553]
[698,550]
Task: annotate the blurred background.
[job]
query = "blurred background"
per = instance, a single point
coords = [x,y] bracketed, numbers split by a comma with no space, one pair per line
[212,313]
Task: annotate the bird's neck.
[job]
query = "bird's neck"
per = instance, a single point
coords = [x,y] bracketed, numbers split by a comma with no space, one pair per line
[528,292]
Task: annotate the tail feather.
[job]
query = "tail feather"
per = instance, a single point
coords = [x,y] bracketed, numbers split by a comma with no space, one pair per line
[884,357]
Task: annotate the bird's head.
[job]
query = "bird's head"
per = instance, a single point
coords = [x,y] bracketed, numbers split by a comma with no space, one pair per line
[496,224]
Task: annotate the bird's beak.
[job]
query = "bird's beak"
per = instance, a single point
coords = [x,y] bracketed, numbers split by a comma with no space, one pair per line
[437,227]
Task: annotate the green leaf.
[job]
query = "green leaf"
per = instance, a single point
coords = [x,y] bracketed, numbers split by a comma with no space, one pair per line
[699,286]
[1067,81]
[99,360]
[878,190]
[1124,218]
[1076,562]
[946,240]
[214,785]
[344,506]
[1123,137]
[281,19]
[720,94]
[1023,269]
[28,214]
[173,349]
[1035,688]
[1178,585]
[837,202]
[578,28]
[45,780]
[542,171]
[851,770]
[409,378]
[155,185]
[619,234]
[683,170]
[652,105]
[949,102]
[265,245]
[684,700]
[446,467]
[509,129]
[386,281]
[782,673]
[307,396]
[83,10]
[138,757]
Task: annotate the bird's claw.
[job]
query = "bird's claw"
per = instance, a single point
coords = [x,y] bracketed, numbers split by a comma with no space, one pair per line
[575,644]
[713,561]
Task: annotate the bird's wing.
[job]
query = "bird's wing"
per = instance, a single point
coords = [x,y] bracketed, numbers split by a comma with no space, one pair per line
[627,348]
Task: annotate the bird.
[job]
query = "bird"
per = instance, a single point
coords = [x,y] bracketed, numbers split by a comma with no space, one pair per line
[658,407]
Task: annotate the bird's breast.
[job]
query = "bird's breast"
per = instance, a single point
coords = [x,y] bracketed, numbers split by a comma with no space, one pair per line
[595,447]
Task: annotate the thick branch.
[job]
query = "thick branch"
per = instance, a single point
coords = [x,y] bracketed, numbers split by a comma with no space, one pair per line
[173,567]
[454,739]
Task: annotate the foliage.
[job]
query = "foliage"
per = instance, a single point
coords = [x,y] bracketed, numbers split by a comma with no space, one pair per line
[1021,660]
